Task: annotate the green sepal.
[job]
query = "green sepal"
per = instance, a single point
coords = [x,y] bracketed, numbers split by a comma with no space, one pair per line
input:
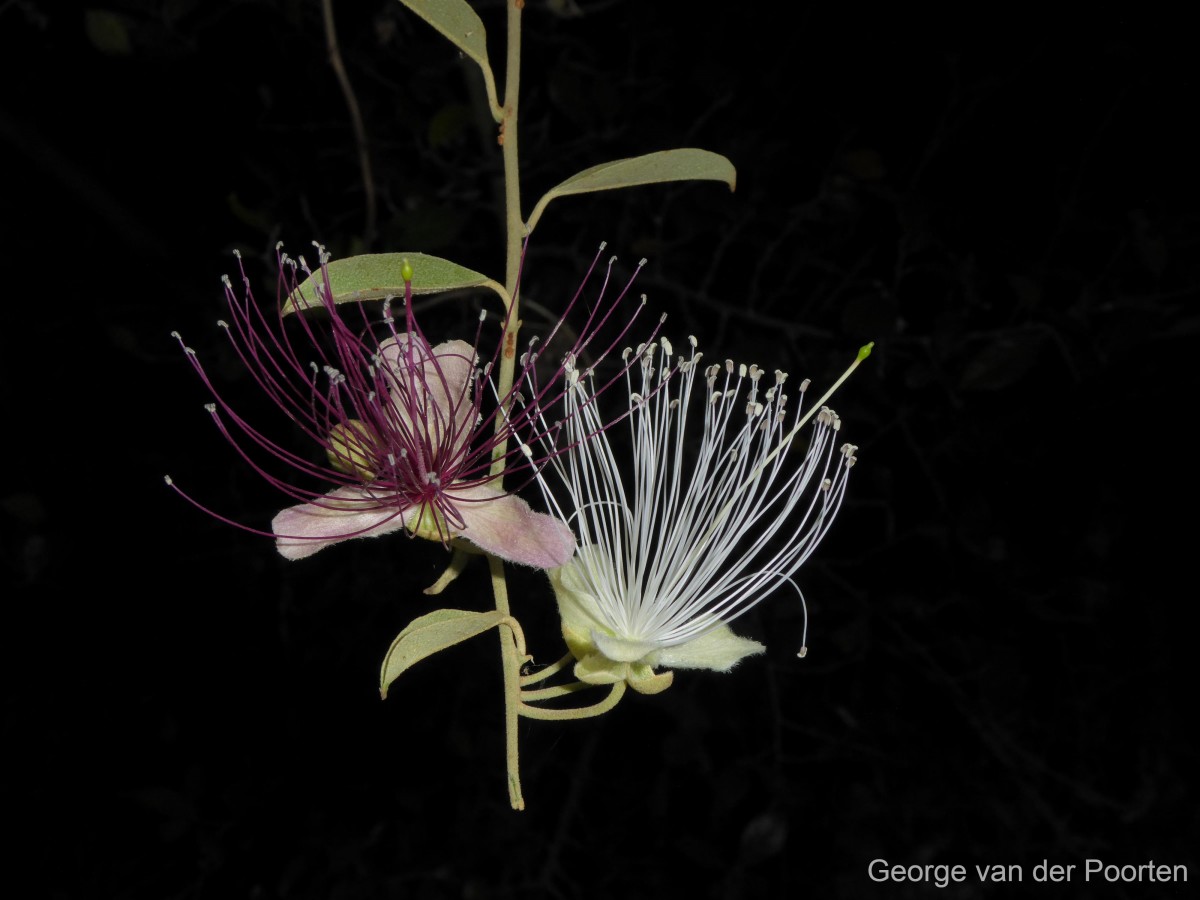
[645,680]
[596,668]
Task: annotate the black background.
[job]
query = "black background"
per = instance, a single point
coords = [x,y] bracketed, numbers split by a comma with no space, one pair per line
[1002,620]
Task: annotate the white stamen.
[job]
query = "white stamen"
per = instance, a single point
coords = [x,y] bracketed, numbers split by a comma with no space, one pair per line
[709,523]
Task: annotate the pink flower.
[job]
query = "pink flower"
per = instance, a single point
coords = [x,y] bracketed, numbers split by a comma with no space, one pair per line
[408,439]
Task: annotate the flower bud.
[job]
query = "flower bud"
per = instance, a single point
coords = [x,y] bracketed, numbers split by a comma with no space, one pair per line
[349,449]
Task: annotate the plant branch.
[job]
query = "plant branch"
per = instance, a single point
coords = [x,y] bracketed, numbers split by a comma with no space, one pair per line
[514,228]
[356,122]
[511,663]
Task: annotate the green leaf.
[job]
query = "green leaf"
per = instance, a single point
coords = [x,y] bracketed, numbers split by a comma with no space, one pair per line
[430,633]
[374,276]
[685,164]
[458,23]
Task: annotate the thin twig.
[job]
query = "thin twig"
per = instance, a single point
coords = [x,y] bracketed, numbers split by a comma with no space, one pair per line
[356,121]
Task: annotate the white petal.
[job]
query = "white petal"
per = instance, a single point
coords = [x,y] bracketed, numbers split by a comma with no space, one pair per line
[622,650]
[576,604]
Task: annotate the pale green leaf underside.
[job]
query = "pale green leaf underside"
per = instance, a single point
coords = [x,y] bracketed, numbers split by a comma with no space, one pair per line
[457,22]
[684,164]
[374,276]
[430,633]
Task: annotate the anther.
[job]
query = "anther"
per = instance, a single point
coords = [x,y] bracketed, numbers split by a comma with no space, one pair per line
[692,340]
[666,345]
[742,371]
[804,384]
[221,323]
[729,367]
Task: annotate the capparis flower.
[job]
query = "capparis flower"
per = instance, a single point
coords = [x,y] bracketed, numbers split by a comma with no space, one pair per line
[692,523]
[407,430]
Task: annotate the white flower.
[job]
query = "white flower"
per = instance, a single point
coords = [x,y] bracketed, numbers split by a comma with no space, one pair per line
[684,537]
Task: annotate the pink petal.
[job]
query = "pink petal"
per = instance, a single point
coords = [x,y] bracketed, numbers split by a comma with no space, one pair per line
[505,526]
[345,513]
[438,385]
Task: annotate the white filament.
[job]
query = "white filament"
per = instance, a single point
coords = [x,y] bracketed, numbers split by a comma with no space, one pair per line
[695,529]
